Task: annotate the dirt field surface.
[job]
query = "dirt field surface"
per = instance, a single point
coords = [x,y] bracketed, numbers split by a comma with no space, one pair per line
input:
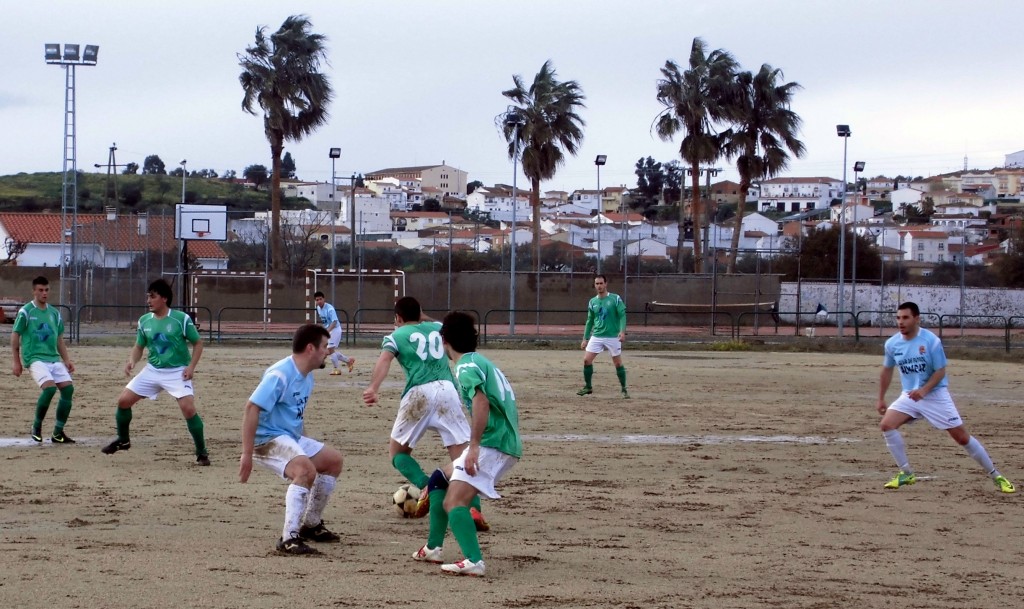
[729,480]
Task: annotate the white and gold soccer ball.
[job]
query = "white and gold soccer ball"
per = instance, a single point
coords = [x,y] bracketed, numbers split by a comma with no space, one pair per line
[405,500]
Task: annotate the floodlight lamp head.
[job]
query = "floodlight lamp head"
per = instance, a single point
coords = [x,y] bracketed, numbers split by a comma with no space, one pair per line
[513,117]
[334,153]
[843,131]
[91,53]
[183,161]
[601,159]
[52,52]
[858,166]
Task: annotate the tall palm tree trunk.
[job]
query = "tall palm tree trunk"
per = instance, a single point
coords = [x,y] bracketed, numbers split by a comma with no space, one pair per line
[698,220]
[276,244]
[734,247]
[535,206]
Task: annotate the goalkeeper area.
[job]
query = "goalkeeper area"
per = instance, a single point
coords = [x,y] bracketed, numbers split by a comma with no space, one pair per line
[730,479]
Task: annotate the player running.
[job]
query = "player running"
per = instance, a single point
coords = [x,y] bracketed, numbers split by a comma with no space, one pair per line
[166,334]
[273,437]
[429,400]
[493,449]
[37,341]
[605,329]
[922,362]
[329,318]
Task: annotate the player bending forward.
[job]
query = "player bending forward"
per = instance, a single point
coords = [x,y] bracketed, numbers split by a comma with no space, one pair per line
[922,362]
[494,448]
[272,437]
[429,400]
[329,318]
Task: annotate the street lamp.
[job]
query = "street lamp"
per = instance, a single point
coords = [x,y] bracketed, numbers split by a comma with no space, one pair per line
[184,172]
[69,60]
[858,167]
[601,159]
[334,154]
[516,121]
[844,132]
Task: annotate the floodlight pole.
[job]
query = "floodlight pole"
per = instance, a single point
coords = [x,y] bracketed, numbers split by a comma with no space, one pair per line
[599,160]
[844,132]
[857,168]
[334,154]
[69,60]
[183,251]
[516,120]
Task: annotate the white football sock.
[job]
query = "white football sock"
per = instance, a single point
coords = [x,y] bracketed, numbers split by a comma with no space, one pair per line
[323,486]
[894,441]
[979,454]
[334,358]
[294,506]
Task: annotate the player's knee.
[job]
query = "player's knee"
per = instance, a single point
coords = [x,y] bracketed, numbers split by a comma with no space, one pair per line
[67,391]
[301,472]
[126,400]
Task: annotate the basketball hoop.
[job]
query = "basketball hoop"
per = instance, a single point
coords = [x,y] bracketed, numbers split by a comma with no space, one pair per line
[200,234]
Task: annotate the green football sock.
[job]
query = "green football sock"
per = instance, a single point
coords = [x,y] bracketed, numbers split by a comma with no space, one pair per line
[63,408]
[438,519]
[588,374]
[123,417]
[464,530]
[410,468]
[621,373]
[195,427]
[43,405]
[476,503]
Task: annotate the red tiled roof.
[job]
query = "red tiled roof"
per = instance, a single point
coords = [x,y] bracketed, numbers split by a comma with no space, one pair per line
[119,235]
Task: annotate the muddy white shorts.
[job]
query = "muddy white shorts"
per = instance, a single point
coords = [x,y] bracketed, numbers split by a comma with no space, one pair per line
[276,454]
[491,466]
[151,381]
[434,405]
[937,408]
[43,372]
[597,345]
[335,339]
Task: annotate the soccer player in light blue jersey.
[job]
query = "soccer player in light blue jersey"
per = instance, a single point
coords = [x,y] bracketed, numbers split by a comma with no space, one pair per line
[922,362]
[329,318]
[273,437]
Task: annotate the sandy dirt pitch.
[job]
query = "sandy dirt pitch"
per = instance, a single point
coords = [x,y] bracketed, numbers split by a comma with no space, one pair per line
[729,480]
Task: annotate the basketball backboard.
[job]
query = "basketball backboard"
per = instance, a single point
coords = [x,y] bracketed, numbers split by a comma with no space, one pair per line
[201,222]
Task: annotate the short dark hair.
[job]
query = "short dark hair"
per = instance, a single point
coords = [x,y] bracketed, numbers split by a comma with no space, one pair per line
[408,308]
[308,334]
[459,330]
[318,294]
[910,306]
[160,287]
[40,280]
[600,276]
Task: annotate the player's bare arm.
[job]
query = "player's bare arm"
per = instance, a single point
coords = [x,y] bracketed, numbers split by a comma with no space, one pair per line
[62,349]
[884,380]
[197,352]
[481,413]
[133,358]
[16,348]
[250,420]
[923,390]
[380,372]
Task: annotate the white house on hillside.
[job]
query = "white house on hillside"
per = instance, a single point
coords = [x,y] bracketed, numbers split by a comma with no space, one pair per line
[797,194]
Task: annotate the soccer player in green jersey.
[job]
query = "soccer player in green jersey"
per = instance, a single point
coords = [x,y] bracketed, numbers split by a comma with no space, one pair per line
[166,334]
[38,344]
[494,448]
[429,400]
[605,330]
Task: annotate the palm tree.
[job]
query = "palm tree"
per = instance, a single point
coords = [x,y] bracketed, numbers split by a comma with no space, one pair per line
[281,74]
[545,124]
[764,129]
[696,101]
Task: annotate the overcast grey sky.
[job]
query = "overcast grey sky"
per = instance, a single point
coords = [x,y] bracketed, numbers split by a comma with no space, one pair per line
[922,83]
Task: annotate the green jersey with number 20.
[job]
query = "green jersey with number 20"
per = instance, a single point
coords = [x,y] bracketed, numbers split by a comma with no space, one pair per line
[420,351]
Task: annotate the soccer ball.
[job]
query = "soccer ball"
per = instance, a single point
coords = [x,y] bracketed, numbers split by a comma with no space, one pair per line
[405,500]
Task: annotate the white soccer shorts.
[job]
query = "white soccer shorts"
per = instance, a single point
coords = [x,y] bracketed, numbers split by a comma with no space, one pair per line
[276,454]
[335,339]
[597,345]
[434,405]
[937,408]
[49,371]
[492,464]
[151,381]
